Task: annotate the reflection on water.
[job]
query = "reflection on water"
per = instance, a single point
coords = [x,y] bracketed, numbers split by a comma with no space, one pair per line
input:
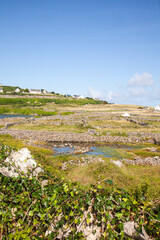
[105,151]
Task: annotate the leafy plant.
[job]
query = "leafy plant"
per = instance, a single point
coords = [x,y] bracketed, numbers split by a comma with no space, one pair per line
[30,210]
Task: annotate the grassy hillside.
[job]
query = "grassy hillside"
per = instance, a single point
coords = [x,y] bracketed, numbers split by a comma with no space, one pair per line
[39,106]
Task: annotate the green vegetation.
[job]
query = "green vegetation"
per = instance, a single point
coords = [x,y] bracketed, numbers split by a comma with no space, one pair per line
[38,106]
[128,177]
[27,209]
[27,111]
[78,128]
[122,134]
[114,195]
[67,113]
[22,102]
[10,89]
[43,101]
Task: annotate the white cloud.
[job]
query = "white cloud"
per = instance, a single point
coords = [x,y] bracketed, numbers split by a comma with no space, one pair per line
[141,80]
[156,94]
[137,92]
[112,96]
[94,93]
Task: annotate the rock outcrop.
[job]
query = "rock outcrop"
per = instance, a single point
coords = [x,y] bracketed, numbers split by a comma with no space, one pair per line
[151,161]
[20,163]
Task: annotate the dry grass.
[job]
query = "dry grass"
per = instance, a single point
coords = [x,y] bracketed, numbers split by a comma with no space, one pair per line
[51,127]
[128,177]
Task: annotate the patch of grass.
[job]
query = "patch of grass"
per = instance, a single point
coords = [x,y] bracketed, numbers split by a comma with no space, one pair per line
[10,141]
[122,134]
[67,113]
[121,125]
[50,127]
[27,111]
[128,177]
[145,153]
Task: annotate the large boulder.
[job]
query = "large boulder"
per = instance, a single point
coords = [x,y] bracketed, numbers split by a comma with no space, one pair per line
[20,163]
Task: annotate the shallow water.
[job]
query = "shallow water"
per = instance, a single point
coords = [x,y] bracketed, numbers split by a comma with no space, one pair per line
[105,151]
[2,116]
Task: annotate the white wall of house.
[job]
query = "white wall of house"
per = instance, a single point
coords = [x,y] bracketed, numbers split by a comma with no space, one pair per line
[157,107]
[35,91]
[17,90]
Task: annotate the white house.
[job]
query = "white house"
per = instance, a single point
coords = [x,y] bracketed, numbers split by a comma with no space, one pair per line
[17,90]
[81,97]
[44,91]
[35,91]
[1,88]
[157,107]
[78,96]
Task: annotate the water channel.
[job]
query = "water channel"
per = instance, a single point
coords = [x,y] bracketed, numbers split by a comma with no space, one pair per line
[2,116]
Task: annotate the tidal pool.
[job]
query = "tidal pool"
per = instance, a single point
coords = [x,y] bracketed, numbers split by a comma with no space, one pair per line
[105,151]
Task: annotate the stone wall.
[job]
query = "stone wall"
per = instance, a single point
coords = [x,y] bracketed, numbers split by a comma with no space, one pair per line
[81,137]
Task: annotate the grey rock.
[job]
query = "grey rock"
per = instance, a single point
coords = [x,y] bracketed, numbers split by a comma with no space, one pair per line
[129,229]
[20,163]
[117,163]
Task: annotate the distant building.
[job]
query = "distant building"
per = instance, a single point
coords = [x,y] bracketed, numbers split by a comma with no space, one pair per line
[81,96]
[75,96]
[35,91]
[17,90]
[78,96]
[44,91]
[1,89]
[157,107]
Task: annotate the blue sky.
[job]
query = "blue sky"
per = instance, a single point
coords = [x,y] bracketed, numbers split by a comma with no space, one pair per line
[98,48]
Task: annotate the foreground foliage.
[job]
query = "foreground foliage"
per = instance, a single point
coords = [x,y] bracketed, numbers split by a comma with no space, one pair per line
[27,208]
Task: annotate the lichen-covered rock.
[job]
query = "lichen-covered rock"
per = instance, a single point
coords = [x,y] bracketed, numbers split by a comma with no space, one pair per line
[117,163]
[20,163]
[129,229]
